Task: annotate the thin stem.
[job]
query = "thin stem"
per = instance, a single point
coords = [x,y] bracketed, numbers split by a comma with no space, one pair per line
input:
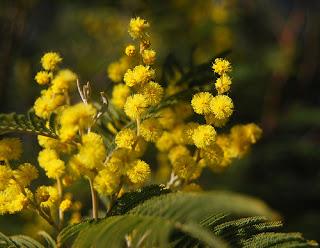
[94,201]
[60,192]
[138,126]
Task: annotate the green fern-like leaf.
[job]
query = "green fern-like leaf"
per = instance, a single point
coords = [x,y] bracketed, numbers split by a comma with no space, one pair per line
[29,123]
[19,241]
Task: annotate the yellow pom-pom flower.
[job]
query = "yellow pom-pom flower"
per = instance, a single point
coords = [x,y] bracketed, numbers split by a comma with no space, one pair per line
[43,77]
[130,50]
[189,130]
[139,75]
[212,120]
[10,149]
[117,69]
[106,182]
[167,118]
[177,152]
[184,166]
[221,66]
[64,81]
[223,84]
[25,174]
[120,93]
[165,142]
[50,61]
[139,172]
[126,138]
[75,118]
[12,200]
[6,175]
[150,129]
[153,92]
[136,105]
[137,27]
[148,56]
[204,136]
[213,155]
[50,162]
[222,107]
[201,102]
[47,196]
[65,205]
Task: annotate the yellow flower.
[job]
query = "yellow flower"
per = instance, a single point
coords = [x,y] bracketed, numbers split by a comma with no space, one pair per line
[76,118]
[64,80]
[10,149]
[12,200]
[153,92]
[221,66]
[184,166]
[223,84]
[126,138]
[43,77]
[204,136]
[130,50]
[139,75]
[25,174]
[212,120]
[137,27]
[183,109]
[139,172]
[6,175]
[213,155]
[50,61]
[106,182]
[50,162]
[222,107]
[189,130]
[65,205]
[117,69]
[177,152]
[148,56]
[51,143]
[47,196]
[201,102]
[165,142]
[92,153]
[136,105]
[120,93]
[167,118]
[47,103]
[150,129]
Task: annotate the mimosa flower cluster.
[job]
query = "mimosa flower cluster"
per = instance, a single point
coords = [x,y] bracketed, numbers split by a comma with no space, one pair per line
[135,119]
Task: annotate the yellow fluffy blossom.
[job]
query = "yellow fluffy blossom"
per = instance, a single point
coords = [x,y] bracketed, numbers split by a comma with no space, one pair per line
[204,136]
[139,148]
[221,66]
[43,77]
[65,205]
[201,102]
[189,130]
[120,93]
[136,105]
[50,61]
[51,143]
[48,102]
[139,172]
[150,129]
[148,56]
[12,200]
[126,138]
[92,153]
[137,27]
[183,109]
[64,80]
[153,92]
[212,120]
[165,142]
[10,149]
[25,174]
[117,69]
[50,162]
[47,196]
[223,84]
[213,155]
[106,182]
[6,175]
[184,166]
[130,50]
[177,152]
[229,153]
[179,135]
[76,118]
[222,107]
[139,75]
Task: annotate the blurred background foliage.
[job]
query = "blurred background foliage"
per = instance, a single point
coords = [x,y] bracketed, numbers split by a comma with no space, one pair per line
[275,54]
